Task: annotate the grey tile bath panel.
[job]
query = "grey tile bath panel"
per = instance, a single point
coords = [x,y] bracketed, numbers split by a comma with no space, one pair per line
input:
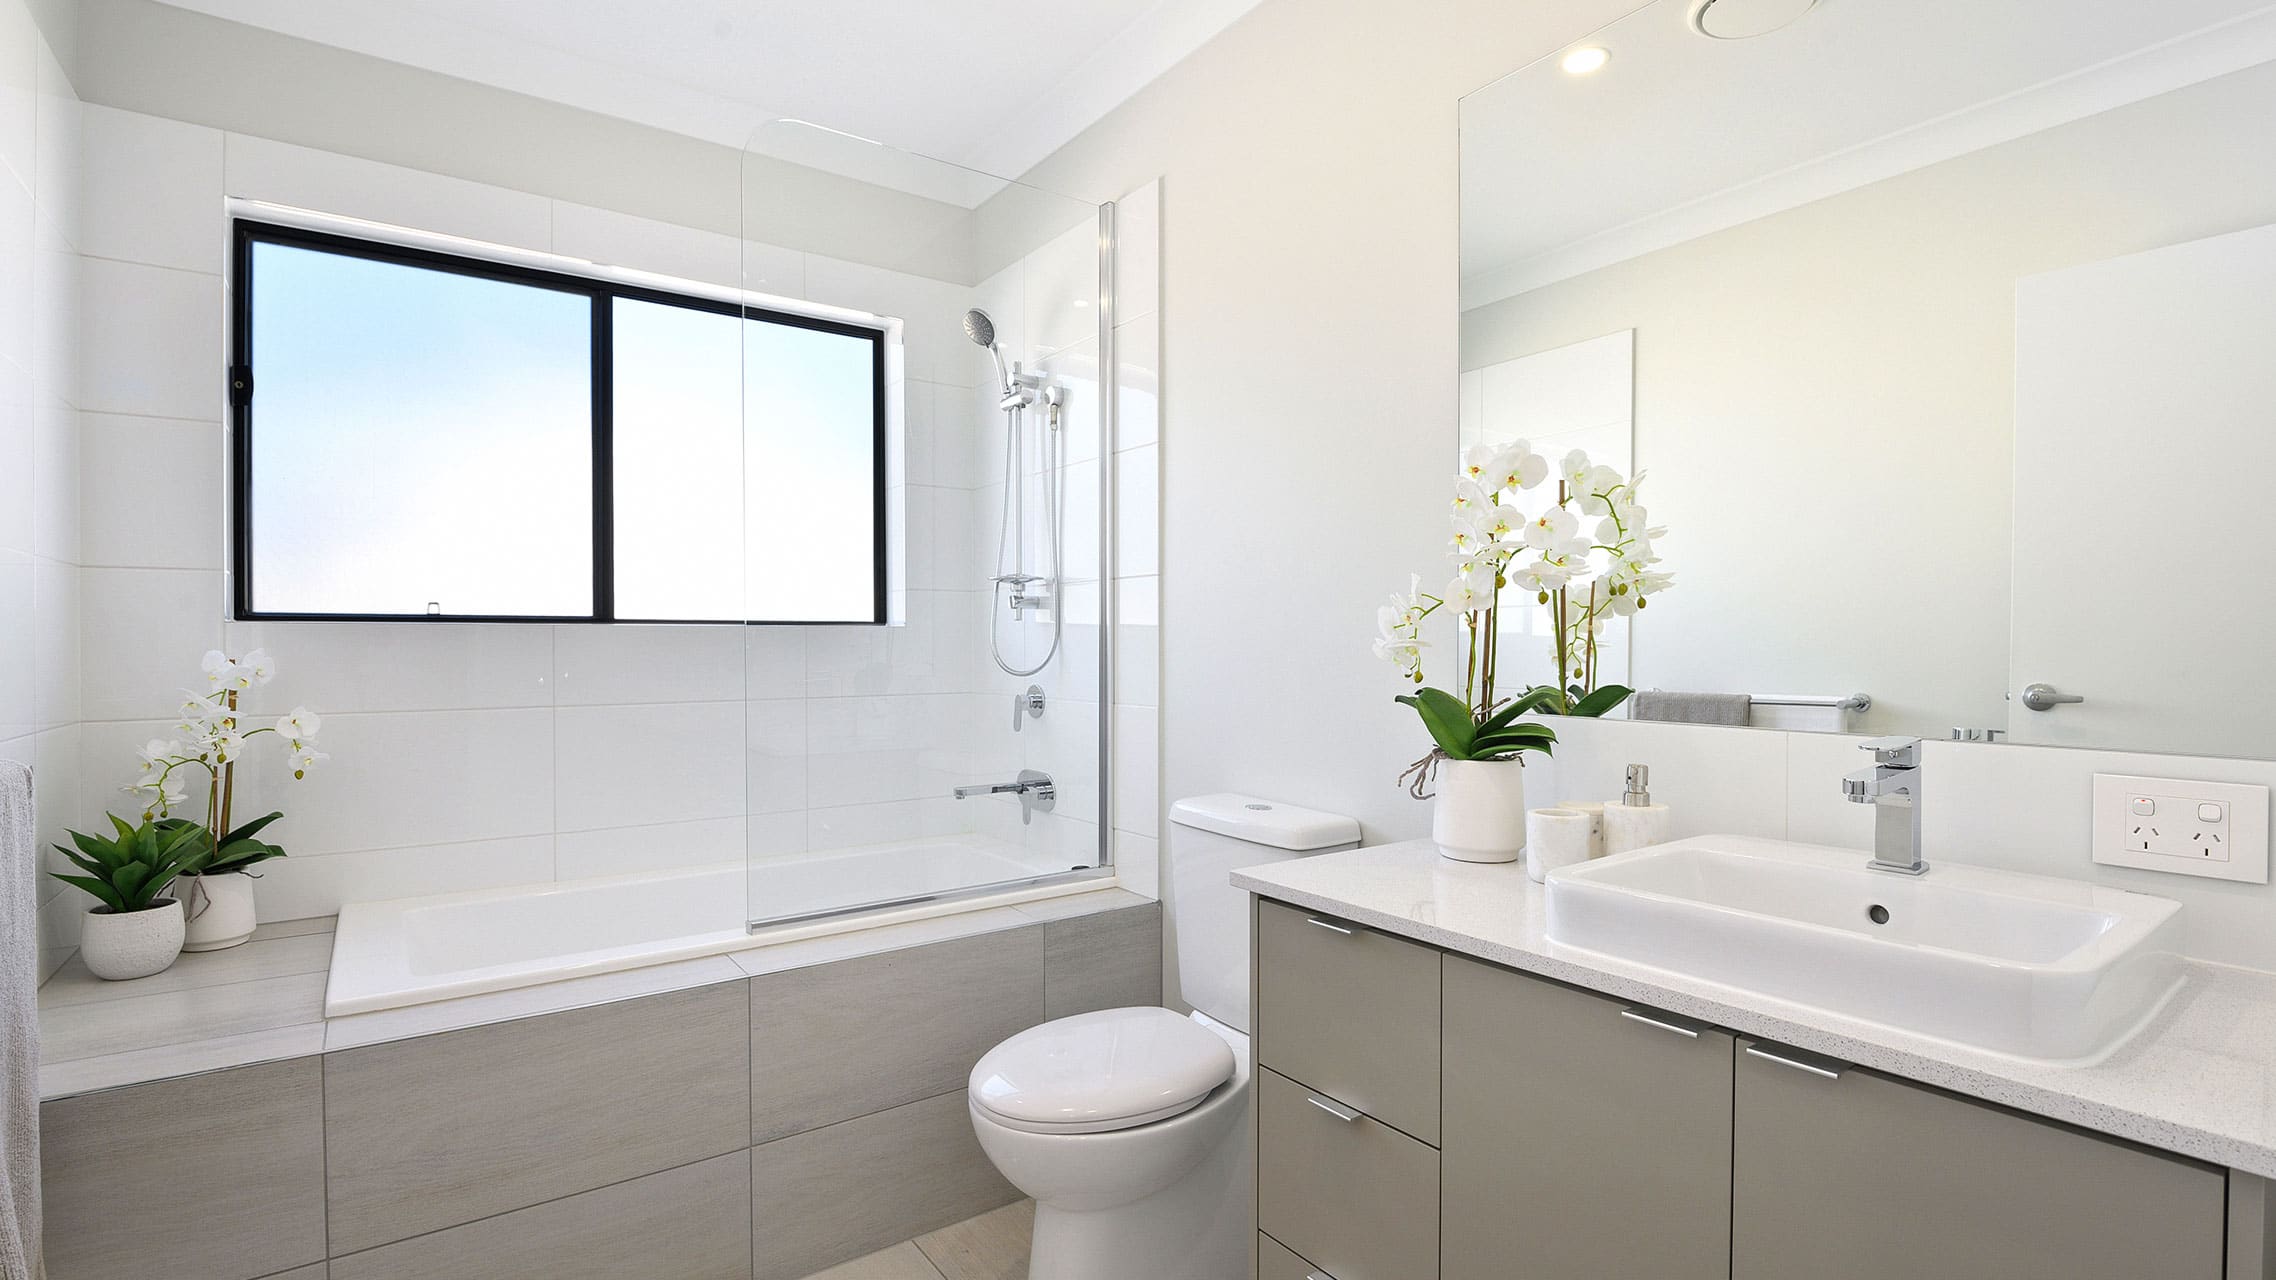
[834,1194]
[689,1223]
[1104,961]
[841,1040]
[318,1271]
[211,1177]
[444,1129]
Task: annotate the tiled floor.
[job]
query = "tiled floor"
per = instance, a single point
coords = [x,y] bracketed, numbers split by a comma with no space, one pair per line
[992,1246]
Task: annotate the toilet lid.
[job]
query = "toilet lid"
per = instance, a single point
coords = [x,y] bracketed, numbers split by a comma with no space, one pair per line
[1114,1069]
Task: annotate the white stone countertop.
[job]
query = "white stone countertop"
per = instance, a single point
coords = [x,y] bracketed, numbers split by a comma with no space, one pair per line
[2199,1080]
[264,1000]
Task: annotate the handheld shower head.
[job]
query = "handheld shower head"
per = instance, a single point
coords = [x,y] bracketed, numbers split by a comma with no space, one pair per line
[982,330]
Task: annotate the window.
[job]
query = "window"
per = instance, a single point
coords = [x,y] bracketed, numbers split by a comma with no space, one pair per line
[427,436]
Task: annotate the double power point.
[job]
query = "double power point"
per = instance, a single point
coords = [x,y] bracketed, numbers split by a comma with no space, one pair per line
[2213,829]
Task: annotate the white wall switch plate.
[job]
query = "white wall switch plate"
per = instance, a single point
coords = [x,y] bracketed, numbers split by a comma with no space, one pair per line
[2213,829]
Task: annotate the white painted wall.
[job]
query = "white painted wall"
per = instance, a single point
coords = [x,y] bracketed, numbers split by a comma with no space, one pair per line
[1825,398]
[40,445]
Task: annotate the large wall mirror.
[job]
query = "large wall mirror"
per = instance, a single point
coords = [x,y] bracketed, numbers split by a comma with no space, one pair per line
[1946,334]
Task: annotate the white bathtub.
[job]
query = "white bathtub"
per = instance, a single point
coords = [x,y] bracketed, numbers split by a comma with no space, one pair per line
[413,950]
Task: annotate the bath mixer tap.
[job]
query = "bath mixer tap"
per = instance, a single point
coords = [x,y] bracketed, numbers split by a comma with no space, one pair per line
[1892,787]
[1034,789]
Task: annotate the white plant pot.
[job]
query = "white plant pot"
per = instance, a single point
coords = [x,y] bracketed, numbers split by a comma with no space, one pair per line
[134,944]
[217,910]
[1480,815]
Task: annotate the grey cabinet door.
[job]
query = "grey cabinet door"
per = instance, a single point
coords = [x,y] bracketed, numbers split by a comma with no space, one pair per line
[1354,1195]
[1350,1012]
[1867,1178]
[1582,1142]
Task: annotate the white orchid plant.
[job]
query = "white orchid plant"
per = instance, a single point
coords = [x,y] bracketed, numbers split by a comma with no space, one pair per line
[1583,576]
[210,741]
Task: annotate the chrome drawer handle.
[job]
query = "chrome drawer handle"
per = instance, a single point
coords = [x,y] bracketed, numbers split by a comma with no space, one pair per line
[1633,1015]
[1331,928]
[1345,1114]
[1828,1073]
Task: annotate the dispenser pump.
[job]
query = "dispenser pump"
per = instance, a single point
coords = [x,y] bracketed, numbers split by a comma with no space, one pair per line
[1639,791]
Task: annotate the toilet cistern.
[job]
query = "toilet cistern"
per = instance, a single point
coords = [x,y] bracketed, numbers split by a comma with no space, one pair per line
[1892,787]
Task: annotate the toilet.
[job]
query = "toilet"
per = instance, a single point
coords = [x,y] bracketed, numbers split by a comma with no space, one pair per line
[1130,1127]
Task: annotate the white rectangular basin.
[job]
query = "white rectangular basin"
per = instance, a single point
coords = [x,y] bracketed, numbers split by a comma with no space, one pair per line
[2025,965]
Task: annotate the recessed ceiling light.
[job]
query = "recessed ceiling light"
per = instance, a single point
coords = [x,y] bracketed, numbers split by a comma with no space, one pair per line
[1584,60]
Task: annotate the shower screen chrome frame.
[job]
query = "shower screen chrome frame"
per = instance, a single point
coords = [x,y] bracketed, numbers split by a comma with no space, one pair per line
[1110,557]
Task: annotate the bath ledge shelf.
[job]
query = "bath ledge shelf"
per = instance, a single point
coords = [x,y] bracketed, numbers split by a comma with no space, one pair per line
[265,1000]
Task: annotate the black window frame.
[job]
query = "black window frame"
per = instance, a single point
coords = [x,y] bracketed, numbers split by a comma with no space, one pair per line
[243,389]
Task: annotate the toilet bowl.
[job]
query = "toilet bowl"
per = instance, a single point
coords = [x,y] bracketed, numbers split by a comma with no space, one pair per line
[1131,1128]
[1161,1193]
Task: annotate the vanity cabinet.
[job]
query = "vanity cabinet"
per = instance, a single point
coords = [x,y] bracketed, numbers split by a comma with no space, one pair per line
[1587,1137]
[1422,1115]
[1842,1172]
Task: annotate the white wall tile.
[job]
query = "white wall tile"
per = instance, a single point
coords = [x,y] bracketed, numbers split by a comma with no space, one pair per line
[775,761]
[1138,252]
[152,191]
[769,268]
[639,764]
[19,632]
[152,495]
[1138,641]
[1713,779]
[850,825]
[395,780]
[58,311]
[626,663]
[151,341]
[19,79]
[296,887]
[1138,512]
[16,268]
[1816,810]
[56,178]
[1138,861]
[1061,293]
[934,344]
[59,643]
[324,182]
[15,455]
[667,846]
[1138,383]
[1137,752]
[56,447]
[143,633]
[774,661]
[334,667]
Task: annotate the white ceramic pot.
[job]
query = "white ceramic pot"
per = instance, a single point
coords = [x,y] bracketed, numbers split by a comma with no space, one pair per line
[133,944]
[217,910]
[1481,810]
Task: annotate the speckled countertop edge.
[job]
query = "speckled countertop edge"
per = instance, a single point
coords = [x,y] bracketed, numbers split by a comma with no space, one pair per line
[2198,1080]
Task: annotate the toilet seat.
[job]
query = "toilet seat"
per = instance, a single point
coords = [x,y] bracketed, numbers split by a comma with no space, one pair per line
[1100,1072]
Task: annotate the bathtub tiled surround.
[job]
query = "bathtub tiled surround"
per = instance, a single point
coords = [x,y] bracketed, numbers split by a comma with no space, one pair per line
[538,753]
[41,449]
[766,1121]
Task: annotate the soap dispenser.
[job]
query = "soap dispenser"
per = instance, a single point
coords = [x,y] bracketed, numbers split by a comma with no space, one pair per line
[1635,821]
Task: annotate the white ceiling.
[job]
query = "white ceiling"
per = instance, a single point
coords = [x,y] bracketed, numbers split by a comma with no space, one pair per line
[1679,135]
[990,85]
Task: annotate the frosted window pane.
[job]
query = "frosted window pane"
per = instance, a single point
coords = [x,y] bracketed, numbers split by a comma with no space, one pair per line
[418,436]
[772,520]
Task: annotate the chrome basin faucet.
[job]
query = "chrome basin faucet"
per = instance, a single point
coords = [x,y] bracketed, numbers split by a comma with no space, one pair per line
[1892,787]
[1035,791]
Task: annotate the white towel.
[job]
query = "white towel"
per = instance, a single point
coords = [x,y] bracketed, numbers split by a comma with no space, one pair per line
[19,1027]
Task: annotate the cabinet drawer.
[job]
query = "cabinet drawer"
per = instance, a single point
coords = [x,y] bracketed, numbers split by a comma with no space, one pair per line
[1355,1196]
[1275,1262]
[1840,1172]
[1350,1012]
[1585,1138]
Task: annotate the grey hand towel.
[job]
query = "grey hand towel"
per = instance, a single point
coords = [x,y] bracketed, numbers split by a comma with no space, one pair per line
[1692,708]
[19,1027]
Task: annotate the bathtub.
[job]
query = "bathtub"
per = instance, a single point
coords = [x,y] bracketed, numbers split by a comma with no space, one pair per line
[413,950]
